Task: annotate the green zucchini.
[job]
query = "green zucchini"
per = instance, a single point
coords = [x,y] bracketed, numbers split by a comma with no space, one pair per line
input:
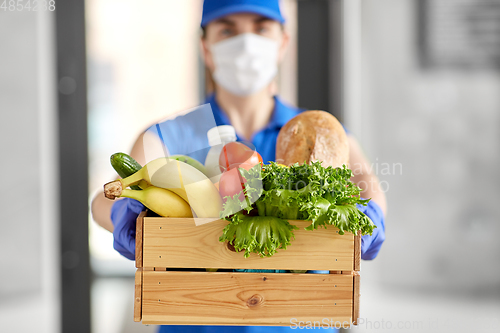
[191,161]
[125,166]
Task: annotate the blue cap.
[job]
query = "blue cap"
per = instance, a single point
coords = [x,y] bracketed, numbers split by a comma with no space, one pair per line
[214,9]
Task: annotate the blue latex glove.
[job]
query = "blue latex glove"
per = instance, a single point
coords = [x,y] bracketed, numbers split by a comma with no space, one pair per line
[370,245]
[124,215]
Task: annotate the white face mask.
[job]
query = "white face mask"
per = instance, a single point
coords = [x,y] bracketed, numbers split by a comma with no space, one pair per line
[245,64]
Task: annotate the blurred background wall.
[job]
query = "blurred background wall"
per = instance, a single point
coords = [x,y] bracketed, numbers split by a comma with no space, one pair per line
[429,122]
[431,83]
[29,279]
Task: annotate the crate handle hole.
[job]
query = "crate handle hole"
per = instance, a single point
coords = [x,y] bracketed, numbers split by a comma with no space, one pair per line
[230,247]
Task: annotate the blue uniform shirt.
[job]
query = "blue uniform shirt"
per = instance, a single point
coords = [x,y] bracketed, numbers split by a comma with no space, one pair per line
[187,135]
[264,140]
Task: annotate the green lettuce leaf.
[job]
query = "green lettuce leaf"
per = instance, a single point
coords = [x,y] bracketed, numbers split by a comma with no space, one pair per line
[280,203]
[233,205]
[253,191]
[263,235]
[347,218]
[273,194]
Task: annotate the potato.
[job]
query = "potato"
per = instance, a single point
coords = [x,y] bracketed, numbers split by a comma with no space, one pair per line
[313,136]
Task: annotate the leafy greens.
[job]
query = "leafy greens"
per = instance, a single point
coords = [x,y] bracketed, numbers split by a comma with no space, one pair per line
[275,193]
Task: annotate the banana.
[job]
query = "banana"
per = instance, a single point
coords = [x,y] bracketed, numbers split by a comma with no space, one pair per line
[163,202]
[143,184]
[179,177]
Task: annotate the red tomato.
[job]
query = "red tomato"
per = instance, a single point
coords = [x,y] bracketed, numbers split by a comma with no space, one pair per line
[245,166]
[236,153]
[231,182]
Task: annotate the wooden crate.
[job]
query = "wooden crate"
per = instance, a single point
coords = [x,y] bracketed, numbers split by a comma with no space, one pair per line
[173,297]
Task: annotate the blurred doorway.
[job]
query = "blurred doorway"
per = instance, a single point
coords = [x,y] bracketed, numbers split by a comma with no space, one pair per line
[142,64]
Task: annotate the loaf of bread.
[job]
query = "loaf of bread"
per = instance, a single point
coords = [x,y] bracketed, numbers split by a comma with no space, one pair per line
[313,136]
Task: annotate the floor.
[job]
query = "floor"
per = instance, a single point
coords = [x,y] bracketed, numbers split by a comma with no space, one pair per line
[113,307]
[386,308]
[14,312]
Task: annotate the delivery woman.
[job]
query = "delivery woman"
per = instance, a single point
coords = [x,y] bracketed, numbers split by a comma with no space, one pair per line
[236,33]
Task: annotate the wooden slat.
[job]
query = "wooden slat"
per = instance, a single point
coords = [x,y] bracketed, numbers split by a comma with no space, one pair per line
[356,295]
[177,242]
[139,239]
[357,251]
[220,298]
[138,295]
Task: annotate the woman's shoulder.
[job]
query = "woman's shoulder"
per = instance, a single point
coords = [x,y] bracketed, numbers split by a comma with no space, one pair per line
[285,111]
[186,132]
[282,103]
